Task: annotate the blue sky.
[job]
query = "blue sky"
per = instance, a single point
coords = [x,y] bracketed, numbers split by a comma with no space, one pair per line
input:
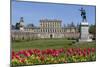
[33,12]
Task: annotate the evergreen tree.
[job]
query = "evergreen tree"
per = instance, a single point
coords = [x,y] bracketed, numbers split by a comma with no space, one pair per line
[17,26]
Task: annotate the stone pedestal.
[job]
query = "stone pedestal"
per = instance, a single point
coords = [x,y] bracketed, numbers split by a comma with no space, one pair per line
[84,33]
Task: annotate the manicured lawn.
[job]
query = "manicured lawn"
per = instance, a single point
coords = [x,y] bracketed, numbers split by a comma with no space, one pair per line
[49,43]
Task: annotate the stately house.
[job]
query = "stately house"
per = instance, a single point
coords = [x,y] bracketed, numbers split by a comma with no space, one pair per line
[48,28]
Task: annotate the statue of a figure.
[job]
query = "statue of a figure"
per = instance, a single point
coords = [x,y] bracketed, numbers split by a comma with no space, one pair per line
[83,14]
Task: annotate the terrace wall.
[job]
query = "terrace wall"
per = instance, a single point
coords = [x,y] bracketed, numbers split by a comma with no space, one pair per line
[27,35]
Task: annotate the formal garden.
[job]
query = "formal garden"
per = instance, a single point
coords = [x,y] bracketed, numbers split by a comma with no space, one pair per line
[52,51]
[70,44]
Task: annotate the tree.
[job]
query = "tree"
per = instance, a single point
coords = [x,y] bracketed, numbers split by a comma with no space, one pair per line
[92,30]
[72,25]
[12,27]
[17,26]
[78,27]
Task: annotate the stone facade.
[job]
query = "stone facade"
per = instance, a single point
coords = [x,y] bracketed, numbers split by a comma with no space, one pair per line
[17,34]
[49,28]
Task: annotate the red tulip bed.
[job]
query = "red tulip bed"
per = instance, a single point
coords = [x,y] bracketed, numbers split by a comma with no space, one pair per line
[52,56]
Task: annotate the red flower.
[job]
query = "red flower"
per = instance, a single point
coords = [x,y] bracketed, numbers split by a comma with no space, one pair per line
[55,53]
[17,57]
[49,51]
[89,49]
[68,54]
[26,54]
[84,49]
[78,50]
[88,52]
[93,49]
[36,51]
[80,53]
[22,60]
[42,58]
[30,51]
[43,52]
[74,53]
[70,50]
[21,52]
[13,53]
[13,57]
[84,53]
[61,50]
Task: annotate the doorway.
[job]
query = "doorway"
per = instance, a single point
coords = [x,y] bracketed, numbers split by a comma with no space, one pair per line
[51,36]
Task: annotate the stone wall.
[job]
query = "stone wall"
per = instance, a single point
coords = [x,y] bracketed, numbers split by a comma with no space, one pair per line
[27,35]
[23,35]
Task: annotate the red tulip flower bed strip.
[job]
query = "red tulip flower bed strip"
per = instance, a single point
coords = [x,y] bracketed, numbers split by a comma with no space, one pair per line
[52,56]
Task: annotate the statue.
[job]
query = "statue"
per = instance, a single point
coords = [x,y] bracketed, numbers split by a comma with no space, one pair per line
[83,15]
